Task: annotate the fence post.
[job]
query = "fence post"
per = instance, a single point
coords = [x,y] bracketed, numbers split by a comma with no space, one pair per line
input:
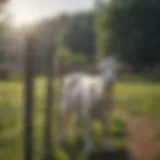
[29,87]
[49,104]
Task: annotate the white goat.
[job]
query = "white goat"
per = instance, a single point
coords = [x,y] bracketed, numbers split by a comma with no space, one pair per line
[89,97]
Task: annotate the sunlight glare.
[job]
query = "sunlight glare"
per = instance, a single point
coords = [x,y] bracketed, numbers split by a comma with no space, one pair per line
[23,14]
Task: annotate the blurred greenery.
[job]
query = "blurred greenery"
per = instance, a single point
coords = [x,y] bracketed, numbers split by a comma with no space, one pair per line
[130,30]
[134,97]
[142,98]
[79,36]
[66,55]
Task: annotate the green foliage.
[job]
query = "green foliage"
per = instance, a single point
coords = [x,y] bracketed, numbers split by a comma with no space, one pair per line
[66,55]
[131,30]
[70,33]
[140,98]
[79,36]
[117,129]
[147,104]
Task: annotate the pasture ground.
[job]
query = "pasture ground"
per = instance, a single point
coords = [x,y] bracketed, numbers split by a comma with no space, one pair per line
[138,105]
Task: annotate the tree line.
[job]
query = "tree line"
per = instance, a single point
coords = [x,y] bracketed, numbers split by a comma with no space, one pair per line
[127,29]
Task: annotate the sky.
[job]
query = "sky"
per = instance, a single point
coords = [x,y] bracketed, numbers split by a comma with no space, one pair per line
[30,11]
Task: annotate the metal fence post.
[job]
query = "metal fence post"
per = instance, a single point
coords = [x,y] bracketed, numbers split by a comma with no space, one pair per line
[49,104]
[29,87]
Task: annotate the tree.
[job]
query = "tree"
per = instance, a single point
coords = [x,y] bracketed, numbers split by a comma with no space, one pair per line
[80,37]
[131,29]
[74,33]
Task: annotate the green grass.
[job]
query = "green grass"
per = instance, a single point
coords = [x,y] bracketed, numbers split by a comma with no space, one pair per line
[139,98]
[135,97]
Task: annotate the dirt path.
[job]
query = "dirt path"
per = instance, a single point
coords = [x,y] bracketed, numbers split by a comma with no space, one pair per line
[143,136]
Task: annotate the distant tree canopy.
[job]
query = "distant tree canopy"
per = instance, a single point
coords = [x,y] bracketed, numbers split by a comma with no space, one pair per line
[80,36]
[72,32]
[130,28]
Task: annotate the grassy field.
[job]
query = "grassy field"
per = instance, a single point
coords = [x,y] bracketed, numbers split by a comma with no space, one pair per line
[137,98]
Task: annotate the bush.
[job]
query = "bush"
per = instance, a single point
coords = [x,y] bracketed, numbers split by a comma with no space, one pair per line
[69,61]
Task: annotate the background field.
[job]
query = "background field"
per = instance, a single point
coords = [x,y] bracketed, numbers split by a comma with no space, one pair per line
[135,98]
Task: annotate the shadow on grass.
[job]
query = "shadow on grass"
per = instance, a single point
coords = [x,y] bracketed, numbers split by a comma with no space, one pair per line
[75,152]
[103,155]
